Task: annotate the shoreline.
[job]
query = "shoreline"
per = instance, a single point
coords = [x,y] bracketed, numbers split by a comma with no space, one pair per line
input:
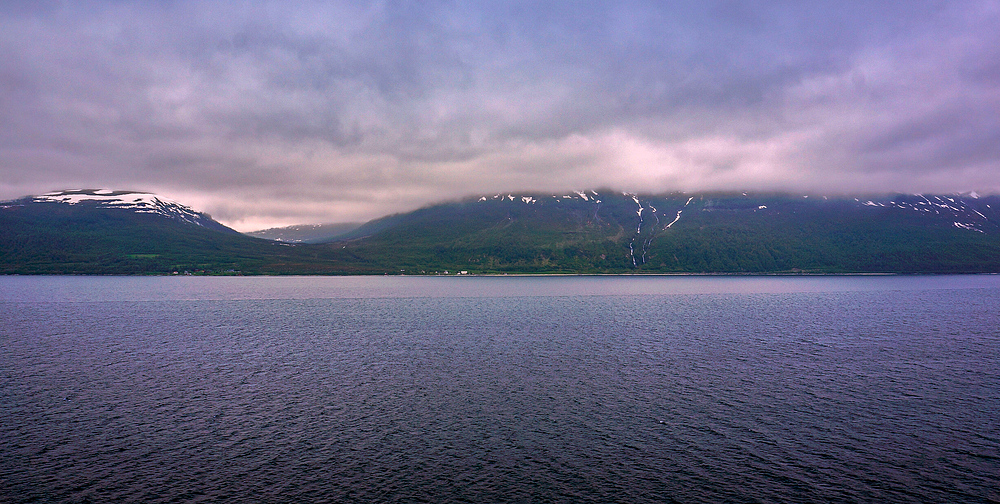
[501,275]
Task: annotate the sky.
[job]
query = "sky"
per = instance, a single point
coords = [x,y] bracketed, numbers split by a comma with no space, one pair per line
[276,113]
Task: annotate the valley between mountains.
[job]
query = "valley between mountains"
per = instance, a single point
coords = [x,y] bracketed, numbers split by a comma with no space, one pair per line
[578,232]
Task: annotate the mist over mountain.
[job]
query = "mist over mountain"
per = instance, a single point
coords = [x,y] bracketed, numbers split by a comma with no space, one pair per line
[316,112]
[102,231]
[593,231]
[614,232]
[306,233]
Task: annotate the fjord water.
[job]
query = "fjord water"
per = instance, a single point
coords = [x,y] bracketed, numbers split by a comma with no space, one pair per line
[475,389]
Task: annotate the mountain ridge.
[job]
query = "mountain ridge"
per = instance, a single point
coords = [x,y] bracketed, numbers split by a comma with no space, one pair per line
[306,233]
[88,231]
[137,201]
[590,232]
[617,232]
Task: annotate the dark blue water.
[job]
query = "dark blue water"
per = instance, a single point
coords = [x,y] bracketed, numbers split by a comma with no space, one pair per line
[861,389]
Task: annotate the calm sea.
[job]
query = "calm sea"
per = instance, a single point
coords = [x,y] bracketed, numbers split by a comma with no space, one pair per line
[505,389]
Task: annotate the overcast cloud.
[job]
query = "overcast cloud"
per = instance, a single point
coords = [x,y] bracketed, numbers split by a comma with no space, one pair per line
[296,112]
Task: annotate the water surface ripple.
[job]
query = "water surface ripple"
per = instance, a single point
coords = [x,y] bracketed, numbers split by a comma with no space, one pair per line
[499,390]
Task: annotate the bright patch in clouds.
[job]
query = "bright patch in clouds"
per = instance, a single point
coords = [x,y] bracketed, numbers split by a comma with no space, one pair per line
[300,112]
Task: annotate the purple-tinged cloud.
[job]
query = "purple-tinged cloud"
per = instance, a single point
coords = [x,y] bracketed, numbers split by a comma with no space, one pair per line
[276,113]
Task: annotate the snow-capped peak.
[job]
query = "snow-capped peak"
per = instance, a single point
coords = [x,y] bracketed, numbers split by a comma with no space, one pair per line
[139,202]
[124,199]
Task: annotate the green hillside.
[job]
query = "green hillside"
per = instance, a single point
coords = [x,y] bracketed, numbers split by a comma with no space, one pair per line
[54,238]
[715,233]
[588,233]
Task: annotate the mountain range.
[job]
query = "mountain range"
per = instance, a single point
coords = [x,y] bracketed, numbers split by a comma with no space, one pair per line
[306,233]
[587,232]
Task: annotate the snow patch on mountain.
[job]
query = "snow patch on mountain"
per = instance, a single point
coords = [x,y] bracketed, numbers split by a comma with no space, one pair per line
[139,202]
[959,208]
[531,200]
